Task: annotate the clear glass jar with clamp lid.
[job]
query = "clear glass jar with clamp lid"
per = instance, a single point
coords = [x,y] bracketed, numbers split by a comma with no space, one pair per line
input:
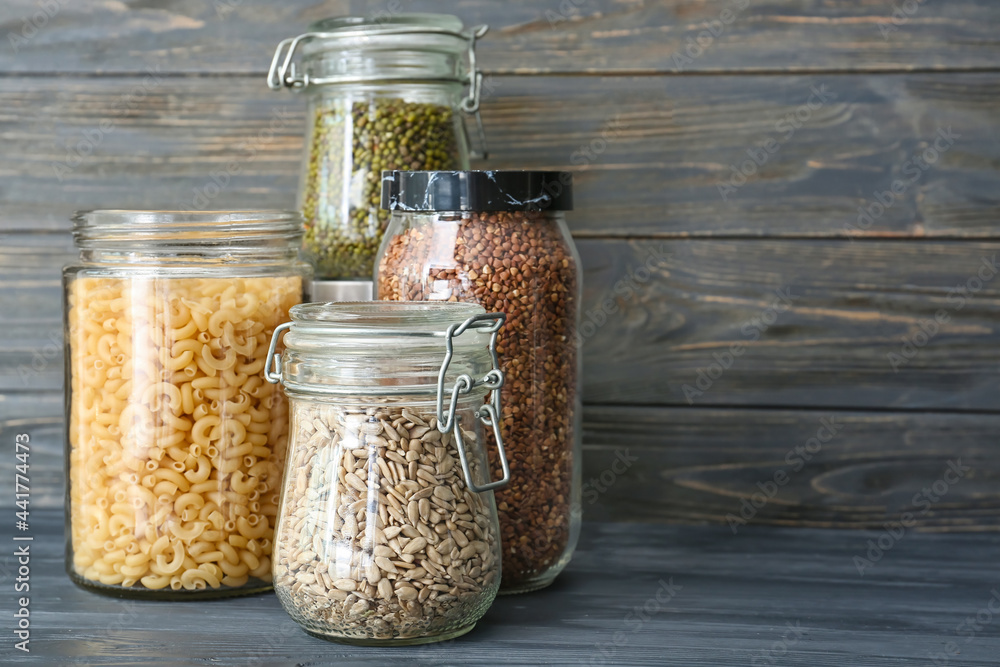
[383,94]
[388,530]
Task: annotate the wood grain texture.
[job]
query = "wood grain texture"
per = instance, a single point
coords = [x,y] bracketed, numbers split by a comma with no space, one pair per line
[733,602]
[685,465]
[40,416]
[792,468]
[92,36]
[31,326]
[649,157]
[791,323]
[817,321]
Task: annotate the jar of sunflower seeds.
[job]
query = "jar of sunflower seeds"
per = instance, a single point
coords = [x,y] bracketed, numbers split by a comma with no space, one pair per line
[387,529]
[385,93]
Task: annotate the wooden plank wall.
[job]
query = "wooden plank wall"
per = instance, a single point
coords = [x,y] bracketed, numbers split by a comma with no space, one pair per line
[782,332]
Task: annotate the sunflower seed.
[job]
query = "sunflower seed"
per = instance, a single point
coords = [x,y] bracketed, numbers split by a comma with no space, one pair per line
[420,544]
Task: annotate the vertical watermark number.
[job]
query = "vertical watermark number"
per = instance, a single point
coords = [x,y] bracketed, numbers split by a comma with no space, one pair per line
[22,550]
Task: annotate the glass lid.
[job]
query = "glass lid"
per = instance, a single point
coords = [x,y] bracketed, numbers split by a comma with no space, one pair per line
[417,22]
[394,346]
[411,318]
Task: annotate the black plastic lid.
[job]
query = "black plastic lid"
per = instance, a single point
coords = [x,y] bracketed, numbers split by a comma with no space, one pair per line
[477,190]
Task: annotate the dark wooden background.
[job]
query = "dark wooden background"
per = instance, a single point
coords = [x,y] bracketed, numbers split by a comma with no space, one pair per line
[602,87]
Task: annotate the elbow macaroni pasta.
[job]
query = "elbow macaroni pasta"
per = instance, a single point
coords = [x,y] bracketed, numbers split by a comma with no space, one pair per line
[173,435]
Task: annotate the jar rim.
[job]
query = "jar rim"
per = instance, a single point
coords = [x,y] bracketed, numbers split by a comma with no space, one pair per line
[442,33]
[397,48]
[393,347]
[186,227]
[393,318]
[474,190]
[419,21]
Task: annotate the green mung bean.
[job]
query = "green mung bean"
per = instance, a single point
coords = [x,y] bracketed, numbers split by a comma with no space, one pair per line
[351,144]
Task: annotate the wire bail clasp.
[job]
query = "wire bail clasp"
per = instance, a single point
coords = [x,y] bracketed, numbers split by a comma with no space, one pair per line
[272,364]
[283,72]
[470,104]
[489,413]
[280,76]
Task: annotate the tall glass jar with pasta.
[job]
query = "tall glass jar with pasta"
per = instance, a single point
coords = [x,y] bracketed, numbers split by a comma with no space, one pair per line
[175,442]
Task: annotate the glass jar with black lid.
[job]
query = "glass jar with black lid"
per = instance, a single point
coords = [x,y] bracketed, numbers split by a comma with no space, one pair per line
[499,239]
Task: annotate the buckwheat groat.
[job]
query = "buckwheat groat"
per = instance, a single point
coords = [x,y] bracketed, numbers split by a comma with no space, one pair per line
[518,263]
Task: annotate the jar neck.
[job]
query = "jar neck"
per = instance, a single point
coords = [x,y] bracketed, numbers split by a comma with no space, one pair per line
[384,348]
[380,67]
[189,258]
[436,51]
[387,365]
[442,93]
[183,238]
[500,218]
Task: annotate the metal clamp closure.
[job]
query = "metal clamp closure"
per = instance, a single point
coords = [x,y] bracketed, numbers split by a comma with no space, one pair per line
[283,71]
[488,414]
[470,104]
[272,364]
[285,76]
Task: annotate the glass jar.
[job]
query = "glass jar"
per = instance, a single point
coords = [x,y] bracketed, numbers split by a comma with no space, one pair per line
[175,441]
[382,94]
[387,531]
[499,239]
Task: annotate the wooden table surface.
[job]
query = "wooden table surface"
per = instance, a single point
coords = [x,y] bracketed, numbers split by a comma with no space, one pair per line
[764,596]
